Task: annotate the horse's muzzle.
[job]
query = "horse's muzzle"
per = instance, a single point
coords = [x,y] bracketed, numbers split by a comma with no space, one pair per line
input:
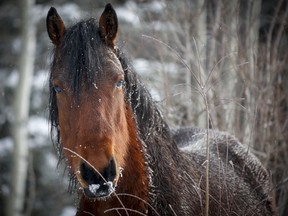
[99,191]
[100,184]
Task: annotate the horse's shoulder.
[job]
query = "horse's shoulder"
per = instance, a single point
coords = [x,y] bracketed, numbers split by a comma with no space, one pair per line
[195,140]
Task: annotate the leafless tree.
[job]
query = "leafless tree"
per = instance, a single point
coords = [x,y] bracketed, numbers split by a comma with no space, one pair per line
[20,159]
[219,50]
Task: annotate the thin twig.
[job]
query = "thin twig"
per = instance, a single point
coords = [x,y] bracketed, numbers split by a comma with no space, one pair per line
[177,54]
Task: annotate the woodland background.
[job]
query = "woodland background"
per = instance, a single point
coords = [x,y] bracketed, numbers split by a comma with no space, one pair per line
[232,52]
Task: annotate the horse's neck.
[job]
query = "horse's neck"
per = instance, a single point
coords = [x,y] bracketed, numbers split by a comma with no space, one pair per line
[159,151]
[161,156]
[135,180]
[166,187]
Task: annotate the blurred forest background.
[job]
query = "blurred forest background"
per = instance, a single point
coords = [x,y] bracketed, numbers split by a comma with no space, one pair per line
[235,52]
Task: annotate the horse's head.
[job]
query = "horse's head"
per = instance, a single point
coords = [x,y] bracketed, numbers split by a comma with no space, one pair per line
[87,104]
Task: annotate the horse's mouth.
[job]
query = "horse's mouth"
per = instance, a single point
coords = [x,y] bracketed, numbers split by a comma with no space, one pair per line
[97,191]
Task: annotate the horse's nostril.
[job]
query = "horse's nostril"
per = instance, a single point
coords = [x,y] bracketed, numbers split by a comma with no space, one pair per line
[91,176]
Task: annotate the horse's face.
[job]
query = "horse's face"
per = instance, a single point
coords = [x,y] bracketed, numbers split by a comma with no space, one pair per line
[92,121]
[93,128]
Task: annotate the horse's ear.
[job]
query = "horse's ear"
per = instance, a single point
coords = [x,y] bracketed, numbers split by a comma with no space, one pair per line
[108,25]
[55,26]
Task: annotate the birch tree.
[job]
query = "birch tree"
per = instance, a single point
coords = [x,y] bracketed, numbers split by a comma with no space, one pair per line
[21,111]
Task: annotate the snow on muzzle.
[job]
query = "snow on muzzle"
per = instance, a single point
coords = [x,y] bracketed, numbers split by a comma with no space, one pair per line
[100,185]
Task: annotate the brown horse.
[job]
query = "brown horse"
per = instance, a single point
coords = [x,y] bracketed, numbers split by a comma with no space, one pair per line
[121,153]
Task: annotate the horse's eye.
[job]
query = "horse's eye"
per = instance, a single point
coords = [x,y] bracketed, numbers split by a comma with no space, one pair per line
[120,84]
[57,89]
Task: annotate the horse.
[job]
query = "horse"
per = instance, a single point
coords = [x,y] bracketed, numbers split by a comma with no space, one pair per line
[123,156]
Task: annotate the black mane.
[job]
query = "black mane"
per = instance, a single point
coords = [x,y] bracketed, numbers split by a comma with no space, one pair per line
[147,115]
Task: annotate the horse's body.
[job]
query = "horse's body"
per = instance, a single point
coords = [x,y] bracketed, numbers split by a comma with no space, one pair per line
[125,158]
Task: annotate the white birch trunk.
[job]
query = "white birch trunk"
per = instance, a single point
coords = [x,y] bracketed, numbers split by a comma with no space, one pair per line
[21,108]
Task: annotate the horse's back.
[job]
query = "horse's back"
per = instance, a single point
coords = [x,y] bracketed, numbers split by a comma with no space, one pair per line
[239,184]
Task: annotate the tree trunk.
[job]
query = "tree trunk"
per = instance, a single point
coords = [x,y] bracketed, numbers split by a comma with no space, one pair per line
[16,200]
[252,30]
[230,82]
